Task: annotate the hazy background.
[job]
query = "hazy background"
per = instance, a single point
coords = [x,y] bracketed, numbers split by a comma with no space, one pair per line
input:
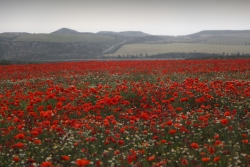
[157,17]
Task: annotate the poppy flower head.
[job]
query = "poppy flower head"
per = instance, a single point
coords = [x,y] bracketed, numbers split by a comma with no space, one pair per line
[224,121]
[46,164]
[82,162]
[194,145]
[151,158]
[211,150]
[184,162]
[65,158]
[245,141]
[216,159]
[16,159]
[19,145]
[20,136]
[163,141]
[172,131]
[205,159]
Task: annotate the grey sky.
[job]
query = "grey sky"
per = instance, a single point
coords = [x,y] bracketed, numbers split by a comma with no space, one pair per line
[158,17]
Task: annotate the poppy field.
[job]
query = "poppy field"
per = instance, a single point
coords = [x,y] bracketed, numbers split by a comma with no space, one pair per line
[126,113]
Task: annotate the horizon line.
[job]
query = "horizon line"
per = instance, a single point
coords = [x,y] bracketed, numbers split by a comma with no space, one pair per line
[129,31]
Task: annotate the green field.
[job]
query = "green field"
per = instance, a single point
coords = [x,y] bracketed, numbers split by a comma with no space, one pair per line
[153,49]
[8,36]
[227,40]
[64,38]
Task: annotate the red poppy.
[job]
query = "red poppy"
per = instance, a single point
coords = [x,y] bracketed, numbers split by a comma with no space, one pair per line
[194,145]
[65,158]
[202,154]
[37,141]
[211,150]
[163,141]
[216,159]
[131,157]
[16,159]
[205,159]
[117,152]
[121,142]
[34,133]
[172,131]
[82,162]
[245,141]
[227,113]
[30,160]
[46,164]
[19,145]
[216,136]
[151,158]
[183,99]
[244,135]
[98,163]
[169,123]
[184,117]
[184,162]
[217,142]
[20,136]
[155,137]
[224,121]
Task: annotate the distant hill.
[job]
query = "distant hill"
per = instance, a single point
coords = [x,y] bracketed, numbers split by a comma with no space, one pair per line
[149,38]
[133,33]
[65,31]
[125,33]
[6,36]
[66,43]
[107,32]
[15,33]
[219,32]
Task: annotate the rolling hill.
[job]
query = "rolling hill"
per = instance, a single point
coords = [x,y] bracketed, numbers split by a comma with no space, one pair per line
[125,33]
[220,32]
[66,43]
[56,37]
[65,31]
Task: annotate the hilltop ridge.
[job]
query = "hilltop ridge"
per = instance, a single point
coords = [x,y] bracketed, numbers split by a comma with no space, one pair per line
[65,31]
[219,32]
[138,33]
[125,33]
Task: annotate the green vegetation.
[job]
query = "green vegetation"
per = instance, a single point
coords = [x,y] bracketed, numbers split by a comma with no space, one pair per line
[153,49]
[6,35]
[225,37]
[69,44]
[64,38]
[5,62]
[228,40]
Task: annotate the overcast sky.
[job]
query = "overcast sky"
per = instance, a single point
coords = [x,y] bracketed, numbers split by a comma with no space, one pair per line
[158,17]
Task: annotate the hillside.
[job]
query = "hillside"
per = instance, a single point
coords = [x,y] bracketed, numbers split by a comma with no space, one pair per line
[70,44]
[64,38]
[65,31]
[220,32]
[125,33]
[61,44]
[11,35]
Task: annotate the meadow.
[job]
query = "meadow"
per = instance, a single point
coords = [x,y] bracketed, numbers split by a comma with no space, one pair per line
[154,49]
[126,113]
